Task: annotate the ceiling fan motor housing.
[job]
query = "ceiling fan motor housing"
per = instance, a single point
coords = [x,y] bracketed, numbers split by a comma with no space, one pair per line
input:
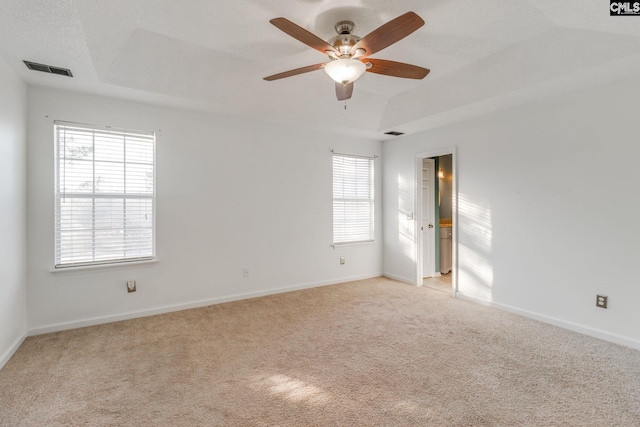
[345,27]
[345,39]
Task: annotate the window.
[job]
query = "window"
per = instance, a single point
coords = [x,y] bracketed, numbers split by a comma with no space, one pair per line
[352,199]
[104,195]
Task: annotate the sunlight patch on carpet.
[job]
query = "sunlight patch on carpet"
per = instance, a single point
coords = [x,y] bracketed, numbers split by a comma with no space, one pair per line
[294,390]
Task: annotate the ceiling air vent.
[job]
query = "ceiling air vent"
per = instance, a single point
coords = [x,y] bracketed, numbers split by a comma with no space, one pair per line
[48,69]
[394,133]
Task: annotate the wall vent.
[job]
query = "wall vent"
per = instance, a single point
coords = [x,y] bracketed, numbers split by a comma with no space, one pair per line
[48,68]
[394,133]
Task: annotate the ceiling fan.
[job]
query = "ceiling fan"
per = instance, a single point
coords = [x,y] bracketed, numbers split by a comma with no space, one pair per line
[349,54]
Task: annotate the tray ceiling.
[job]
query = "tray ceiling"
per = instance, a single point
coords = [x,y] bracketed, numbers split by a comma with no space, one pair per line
[212,56]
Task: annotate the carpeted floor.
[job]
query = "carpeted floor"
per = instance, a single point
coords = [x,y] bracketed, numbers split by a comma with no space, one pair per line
[367,353]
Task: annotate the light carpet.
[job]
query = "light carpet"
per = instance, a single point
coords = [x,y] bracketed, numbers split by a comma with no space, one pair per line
[368,353]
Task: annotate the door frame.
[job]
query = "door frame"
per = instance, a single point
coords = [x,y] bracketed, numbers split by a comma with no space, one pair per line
[454,213]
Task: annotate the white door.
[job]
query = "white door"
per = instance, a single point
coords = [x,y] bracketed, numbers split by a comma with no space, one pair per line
[427,216]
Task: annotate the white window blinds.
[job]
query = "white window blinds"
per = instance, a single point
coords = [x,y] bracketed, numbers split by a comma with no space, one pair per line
[104,195]
[352,199]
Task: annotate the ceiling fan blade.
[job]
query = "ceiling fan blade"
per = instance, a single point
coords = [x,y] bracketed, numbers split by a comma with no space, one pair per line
[389,33]
[344,91]
[295,72]
[299,33]
[396,69]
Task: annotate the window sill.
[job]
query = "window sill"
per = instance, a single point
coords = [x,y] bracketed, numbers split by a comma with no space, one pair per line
[99,267]
[342,245]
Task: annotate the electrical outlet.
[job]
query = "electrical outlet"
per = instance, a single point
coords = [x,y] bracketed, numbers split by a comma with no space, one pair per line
[341,260]
[245,272]
[131,285]
[601,301]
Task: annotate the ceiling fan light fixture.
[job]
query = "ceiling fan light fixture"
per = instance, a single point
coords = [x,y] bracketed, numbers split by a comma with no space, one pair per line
[345,70]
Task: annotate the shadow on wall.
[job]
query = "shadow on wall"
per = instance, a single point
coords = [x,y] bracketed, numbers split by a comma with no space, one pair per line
[475,238]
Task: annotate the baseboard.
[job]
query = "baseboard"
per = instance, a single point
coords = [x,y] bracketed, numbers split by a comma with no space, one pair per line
[56,327]
[399,278]
[576,327]
[12,349]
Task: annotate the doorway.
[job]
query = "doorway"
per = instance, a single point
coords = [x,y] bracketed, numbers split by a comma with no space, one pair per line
[436,208]
[428,218]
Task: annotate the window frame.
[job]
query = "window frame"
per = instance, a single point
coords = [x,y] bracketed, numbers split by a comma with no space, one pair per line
[58,196]
[370,200]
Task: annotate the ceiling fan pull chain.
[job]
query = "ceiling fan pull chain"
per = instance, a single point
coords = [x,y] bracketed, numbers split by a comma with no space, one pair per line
[344,94]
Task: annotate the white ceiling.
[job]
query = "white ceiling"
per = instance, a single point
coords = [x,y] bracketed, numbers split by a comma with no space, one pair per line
[212,55]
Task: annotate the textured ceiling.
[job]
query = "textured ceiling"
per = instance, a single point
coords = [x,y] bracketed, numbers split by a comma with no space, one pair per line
[212,56]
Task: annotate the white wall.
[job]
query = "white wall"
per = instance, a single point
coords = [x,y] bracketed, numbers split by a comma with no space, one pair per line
[13,173]
[230,194]
[549,200]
